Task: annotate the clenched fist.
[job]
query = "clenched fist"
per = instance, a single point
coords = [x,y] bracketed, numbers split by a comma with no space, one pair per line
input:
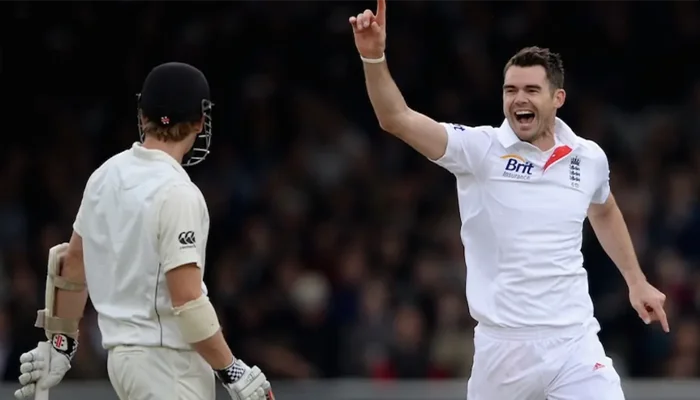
[370,31]
[245,383]
[45,367]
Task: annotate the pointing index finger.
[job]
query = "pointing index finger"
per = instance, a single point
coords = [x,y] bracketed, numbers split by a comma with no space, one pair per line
[663,319]
[381,11]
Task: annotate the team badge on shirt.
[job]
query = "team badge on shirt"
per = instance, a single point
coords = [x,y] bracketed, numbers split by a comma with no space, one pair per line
[575,172]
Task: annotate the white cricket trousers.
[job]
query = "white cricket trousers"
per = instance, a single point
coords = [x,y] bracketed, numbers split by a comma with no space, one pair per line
[568,364]
[158,373]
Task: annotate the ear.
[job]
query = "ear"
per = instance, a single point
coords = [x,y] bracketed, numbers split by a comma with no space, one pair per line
[199,125]
[559,98]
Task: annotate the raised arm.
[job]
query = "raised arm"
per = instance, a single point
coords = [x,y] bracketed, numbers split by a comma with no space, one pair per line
[457,148]
[419,131]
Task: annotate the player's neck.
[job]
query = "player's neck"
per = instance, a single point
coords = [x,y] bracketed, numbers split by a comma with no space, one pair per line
[545,141]
[170,148]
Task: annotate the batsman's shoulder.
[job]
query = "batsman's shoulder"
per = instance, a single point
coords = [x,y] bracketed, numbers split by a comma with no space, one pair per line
[181,189]
[110,163]
[181,192]
[102,172]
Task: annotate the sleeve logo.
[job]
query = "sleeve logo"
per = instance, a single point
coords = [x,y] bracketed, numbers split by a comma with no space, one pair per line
[186,238]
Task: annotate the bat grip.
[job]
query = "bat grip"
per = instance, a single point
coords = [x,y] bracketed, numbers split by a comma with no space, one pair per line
[45,350]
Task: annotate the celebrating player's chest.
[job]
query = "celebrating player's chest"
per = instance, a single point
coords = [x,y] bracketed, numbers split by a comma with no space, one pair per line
[531,181]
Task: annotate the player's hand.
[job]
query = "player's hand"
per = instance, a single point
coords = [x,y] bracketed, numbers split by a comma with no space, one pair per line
[245,383]
[649,303]
[370,31]
[33,366]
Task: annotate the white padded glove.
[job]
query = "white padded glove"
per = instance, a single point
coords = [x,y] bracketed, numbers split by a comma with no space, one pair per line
[245,383]
[33,366]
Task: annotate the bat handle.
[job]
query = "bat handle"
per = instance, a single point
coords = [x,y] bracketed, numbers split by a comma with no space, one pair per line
[45,350]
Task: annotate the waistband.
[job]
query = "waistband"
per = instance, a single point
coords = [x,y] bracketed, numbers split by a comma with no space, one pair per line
[126,347]
[531,333]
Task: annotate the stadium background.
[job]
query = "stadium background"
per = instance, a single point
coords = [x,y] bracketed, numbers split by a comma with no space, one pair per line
[334,249]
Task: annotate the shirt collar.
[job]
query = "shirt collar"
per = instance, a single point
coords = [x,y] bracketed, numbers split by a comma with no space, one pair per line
[567,136]
[143,153]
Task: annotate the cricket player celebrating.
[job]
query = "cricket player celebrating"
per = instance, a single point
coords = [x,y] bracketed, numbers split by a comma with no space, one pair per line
[138,250]
[525,189]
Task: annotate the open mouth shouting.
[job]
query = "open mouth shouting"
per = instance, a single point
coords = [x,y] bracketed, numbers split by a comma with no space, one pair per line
[525,119]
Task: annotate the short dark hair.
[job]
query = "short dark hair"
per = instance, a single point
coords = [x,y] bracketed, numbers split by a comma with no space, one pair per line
[534,56]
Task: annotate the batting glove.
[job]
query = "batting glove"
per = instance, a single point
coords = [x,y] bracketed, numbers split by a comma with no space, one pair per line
[245,383]
[33,366]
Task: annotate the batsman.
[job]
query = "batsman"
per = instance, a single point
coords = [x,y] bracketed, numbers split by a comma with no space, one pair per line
[138,250]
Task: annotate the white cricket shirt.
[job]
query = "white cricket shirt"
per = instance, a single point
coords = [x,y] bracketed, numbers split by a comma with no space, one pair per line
[140,217]
[522,214]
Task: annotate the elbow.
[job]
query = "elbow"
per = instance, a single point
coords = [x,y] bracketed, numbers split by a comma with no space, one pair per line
[392,125]
[185,295]
[395,121]
[388,125]
[73,256]
[197,320]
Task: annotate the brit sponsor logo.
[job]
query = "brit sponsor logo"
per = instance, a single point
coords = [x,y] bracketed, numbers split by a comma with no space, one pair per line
[517,167]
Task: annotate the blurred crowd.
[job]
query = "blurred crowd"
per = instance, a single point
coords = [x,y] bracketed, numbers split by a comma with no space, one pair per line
[334,249]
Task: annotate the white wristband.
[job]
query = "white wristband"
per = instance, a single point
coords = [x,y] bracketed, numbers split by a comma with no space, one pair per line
[373,60]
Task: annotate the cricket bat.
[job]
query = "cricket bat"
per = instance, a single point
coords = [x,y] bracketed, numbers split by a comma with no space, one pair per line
[45,350]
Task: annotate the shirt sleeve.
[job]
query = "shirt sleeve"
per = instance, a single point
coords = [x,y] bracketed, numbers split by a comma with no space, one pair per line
[602,191]
[79,225]
[179,227]
[466,148]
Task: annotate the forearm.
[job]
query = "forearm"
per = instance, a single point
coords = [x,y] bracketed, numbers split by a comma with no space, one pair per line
[70,305]
[196,316]
[215,351]
[614,237]
[386,98]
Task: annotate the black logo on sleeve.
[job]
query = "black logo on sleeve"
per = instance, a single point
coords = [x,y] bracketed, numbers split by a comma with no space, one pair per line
[186,239]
